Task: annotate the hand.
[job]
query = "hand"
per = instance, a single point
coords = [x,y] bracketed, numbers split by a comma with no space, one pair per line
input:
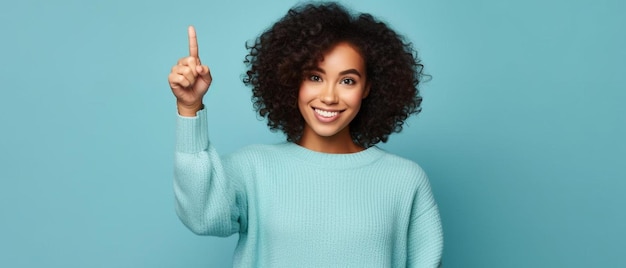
[189,79]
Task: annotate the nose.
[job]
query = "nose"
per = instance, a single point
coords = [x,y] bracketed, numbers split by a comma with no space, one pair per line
[328,95]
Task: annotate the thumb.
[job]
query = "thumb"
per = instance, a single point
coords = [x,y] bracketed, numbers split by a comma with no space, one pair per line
[205,73]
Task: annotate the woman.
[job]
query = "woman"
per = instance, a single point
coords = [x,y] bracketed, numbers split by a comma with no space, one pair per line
[336,85]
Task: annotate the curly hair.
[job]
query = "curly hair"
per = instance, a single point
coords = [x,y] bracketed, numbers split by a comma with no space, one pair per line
[281,56]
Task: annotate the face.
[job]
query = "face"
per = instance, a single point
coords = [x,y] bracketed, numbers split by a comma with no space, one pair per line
[330,96]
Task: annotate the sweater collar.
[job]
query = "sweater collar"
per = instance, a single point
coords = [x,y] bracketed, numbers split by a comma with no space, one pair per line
[328,160]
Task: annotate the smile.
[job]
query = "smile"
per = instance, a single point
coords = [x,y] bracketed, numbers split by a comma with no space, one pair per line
[326,114]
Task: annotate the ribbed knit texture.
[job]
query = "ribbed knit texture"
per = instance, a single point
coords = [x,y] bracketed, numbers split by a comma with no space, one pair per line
[294,207]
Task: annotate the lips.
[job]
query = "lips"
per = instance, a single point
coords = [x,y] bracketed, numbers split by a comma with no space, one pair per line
[326,116]
[325,113]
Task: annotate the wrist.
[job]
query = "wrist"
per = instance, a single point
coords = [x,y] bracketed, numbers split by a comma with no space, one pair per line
[189,110]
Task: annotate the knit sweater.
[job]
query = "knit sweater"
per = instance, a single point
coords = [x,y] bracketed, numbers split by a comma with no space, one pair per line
[293,207]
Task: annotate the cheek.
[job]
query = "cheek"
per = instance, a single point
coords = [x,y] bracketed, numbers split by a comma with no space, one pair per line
[305,94]
[354,99]
[303,99]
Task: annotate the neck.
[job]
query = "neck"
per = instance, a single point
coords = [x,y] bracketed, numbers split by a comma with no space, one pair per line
[340,143]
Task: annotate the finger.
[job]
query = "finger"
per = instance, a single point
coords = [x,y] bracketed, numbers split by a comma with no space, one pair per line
[189,62]
[192,63]
[187,72]
[177,81]
[193,42]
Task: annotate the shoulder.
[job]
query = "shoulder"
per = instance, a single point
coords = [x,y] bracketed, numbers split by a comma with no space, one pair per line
[400,165]
[397,161]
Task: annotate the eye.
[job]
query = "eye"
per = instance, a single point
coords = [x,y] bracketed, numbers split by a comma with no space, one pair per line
[348,81]
[315,78]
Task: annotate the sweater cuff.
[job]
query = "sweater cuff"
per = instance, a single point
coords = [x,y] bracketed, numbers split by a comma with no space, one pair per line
[192,135]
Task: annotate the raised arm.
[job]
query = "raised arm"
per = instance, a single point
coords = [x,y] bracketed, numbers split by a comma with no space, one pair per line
[208,201]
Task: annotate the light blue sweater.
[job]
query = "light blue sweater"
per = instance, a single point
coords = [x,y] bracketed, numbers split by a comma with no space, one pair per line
[294,207]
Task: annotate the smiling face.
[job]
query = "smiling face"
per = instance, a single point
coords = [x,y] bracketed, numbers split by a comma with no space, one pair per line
[330,97]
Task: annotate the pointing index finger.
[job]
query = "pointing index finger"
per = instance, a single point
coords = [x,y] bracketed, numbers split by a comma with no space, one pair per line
[193,42]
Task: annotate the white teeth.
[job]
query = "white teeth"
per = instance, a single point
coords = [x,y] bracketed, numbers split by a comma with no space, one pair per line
[326,113]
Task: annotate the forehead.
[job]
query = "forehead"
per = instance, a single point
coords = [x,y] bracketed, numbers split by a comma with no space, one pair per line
[342,55]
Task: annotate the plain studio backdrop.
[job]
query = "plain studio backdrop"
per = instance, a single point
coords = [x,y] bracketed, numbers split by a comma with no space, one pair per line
[522,130]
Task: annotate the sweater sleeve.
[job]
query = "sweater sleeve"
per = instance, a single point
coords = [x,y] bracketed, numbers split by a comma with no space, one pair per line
[207,201]
[425,241]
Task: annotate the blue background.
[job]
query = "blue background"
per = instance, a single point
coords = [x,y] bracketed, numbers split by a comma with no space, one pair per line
[522,132]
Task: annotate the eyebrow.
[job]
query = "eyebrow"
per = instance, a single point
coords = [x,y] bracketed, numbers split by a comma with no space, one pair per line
[349,71]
